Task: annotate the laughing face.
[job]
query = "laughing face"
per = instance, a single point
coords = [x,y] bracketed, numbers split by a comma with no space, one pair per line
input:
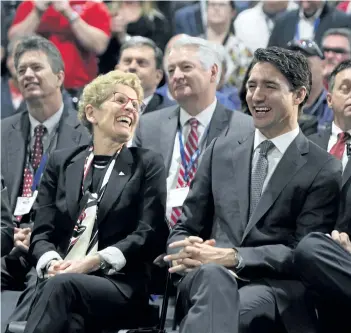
[35,76]
[272,103]
[118,116]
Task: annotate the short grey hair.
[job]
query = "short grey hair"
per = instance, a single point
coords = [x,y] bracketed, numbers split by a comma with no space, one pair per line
[207,52]
[138,41]
[339,32]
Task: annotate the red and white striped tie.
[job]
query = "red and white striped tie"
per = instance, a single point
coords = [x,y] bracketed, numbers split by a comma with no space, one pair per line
[191,147]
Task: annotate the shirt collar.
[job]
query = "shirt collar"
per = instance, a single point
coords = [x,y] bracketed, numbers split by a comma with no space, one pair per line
[49,123]
[281,142]
[204,117]
[336,130]
[147,100]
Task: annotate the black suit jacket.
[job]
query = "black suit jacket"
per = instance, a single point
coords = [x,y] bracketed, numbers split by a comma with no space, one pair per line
[130,217]
[301,196]
[157,102]
[7,228]
[321,138]
[14,137]
[285,26]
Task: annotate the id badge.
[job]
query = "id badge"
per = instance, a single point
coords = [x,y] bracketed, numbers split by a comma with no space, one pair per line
[25,204]
[177,196]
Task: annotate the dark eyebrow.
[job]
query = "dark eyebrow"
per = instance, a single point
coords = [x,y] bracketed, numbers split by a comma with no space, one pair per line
[264,81]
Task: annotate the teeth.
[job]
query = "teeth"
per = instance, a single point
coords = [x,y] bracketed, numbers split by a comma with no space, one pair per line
[124,119]
[262,109]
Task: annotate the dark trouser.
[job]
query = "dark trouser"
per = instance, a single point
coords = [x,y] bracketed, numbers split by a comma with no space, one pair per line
[325,269]
[96,299]
[212,301]
[17,275]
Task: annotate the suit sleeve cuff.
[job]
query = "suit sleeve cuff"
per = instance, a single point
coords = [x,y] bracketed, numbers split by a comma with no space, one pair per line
[114,258]
[44,260]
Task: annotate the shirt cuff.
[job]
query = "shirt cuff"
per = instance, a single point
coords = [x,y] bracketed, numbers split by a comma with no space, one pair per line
[43,262]
[113,257]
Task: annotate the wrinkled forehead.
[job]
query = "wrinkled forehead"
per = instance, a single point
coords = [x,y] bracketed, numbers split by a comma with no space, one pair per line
[33,57]
[187,53]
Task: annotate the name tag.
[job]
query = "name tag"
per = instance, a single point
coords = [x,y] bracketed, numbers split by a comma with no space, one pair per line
[25,204]
[177,197]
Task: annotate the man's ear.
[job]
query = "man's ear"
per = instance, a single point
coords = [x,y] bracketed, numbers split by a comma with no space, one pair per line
[159,75]
[330,100]
[214,73]
[300,95]
[60,78]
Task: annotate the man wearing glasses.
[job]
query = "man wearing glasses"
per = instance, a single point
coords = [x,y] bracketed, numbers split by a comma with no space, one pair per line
[336,46]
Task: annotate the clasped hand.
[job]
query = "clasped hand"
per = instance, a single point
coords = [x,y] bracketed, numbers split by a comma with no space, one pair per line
[343,239]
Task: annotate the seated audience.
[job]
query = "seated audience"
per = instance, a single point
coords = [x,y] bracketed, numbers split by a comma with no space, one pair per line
[220,15]
[141,56]
[336,46]
[316,104]
[253,198]
[182,132]
[189,20]
[254,26]
[7,229]
[27,139]
[337,137]
[133,18]
[310,21]
[112,198]
[79,29]
[11,97]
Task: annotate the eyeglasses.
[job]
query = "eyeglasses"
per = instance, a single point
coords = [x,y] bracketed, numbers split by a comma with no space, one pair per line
[122,100]
[307,46]
[338,50]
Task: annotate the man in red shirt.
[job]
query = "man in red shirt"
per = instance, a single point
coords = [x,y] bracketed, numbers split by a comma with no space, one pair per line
[79,29]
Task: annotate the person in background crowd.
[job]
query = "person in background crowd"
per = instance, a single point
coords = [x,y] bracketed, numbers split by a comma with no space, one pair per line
[337,136]
[27,139]
[11,97]
[79,29]
[182,132]
[336,46]
[220,15]
[345,6]
[141,56]
[133,18]
[101,271]
[7,222]
[261,19]
[254,196]
[324,261]
[316,104]
[189,20]
[310,21]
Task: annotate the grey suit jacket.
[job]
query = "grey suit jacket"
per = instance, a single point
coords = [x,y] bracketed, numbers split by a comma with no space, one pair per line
[7,228]
[14,138]
[157,130]
[302,196]
[321,138]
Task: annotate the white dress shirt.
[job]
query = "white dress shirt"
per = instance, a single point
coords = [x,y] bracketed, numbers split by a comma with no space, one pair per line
[281,144]
[334,138]
[204,118]
[51,124]
[307,25]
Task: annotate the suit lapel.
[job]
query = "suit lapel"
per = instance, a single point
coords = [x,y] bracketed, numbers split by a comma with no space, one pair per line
[242,156]
[120,175]
[219,121]
[292,160]
[167,137]
[17,143]
[73,183]
[155,101]
[324,139]
[347,173]
[68,136]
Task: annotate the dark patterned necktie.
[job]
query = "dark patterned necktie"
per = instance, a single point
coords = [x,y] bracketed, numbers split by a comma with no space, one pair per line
[339,148]
[34,160]
[259,174]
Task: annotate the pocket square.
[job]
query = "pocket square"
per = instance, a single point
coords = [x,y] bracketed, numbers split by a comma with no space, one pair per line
[121,174]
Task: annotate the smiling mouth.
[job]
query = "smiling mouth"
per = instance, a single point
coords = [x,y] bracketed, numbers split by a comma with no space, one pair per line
[31,84]
[124,120]
[262,110]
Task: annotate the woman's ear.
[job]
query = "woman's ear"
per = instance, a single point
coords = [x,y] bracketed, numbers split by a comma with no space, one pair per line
[90,114]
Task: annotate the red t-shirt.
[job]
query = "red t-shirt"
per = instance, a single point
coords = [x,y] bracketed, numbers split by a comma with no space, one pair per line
[80,65]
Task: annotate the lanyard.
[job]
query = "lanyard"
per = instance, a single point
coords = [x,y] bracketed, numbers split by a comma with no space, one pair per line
[315,27]
[193,158]
[40,170]
[88,177]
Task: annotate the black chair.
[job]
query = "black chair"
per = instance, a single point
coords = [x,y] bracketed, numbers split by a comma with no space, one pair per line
[150,320]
